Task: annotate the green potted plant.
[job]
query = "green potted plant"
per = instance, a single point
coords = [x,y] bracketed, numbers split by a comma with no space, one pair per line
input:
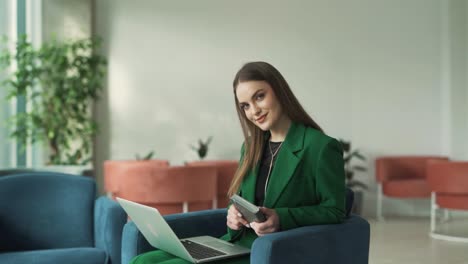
[60,80]
[145,157]
[350,168]
[202,148]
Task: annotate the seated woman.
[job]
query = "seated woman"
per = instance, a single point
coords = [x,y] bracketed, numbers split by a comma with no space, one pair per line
[288,166]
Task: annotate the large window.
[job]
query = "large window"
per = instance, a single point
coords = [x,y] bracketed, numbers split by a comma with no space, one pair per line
[17,17]
[7,28]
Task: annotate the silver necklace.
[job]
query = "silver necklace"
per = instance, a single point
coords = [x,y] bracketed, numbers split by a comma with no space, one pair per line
[271,165]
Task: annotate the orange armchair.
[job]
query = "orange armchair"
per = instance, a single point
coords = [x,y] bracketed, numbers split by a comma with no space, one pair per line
[448,181]
[402,177]
[115,171]
[170,189]
[225,171]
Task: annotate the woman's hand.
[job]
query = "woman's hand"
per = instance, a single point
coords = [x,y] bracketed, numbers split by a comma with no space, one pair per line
[271,225]
[235,221]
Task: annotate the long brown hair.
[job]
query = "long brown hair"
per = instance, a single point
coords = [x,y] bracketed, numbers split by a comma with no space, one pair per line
[254,137]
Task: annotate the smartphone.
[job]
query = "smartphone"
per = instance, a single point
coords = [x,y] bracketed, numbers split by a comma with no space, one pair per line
[249,211]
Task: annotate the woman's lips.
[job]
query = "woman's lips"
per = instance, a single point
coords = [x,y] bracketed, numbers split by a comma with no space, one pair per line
[261,119]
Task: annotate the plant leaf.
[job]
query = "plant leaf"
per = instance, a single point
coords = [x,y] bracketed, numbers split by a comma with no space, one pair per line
[148,156]
[359,168]
[354,183]
[346,145]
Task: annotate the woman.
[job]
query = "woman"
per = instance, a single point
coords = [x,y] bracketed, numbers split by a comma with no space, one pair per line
[288,166]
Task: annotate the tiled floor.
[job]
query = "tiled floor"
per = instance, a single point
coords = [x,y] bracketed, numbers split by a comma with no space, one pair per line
[399,240]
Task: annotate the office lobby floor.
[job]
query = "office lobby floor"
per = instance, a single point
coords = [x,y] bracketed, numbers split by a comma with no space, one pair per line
[405,240]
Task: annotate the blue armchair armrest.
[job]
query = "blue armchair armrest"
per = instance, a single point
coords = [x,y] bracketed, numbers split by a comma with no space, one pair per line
[209,223]
[109,220]
[340,243]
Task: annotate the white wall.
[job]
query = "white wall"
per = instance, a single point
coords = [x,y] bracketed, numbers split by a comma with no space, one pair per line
[369,71]
[458,79]
[65,19]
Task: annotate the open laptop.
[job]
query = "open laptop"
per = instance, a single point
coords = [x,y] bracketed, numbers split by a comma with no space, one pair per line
[160,235]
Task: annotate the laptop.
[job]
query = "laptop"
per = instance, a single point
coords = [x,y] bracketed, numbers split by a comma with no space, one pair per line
[160,235]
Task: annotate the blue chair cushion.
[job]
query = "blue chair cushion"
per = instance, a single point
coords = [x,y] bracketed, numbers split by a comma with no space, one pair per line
[69,256]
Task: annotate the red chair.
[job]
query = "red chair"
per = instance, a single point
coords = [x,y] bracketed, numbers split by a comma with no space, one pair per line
[115,171]
[225,170]
[448,181]
[402,177]
[170,189]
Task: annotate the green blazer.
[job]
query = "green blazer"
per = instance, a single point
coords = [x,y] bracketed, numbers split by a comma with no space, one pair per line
[306,186]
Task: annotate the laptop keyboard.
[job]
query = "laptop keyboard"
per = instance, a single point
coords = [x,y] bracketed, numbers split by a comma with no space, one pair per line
[198,251]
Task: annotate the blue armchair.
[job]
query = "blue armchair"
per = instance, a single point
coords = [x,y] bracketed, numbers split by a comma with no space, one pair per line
[55,218]
[347,242]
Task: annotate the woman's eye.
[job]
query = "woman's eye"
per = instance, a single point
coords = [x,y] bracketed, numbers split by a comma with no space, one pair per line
[260,96]
[244,107]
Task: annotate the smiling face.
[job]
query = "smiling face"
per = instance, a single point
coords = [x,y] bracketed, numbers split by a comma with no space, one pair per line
[259,103]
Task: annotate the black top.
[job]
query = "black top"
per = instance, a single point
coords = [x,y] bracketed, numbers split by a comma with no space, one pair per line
[263,171]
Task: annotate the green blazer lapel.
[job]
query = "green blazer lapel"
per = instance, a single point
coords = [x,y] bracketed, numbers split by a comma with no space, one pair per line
[285,163]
